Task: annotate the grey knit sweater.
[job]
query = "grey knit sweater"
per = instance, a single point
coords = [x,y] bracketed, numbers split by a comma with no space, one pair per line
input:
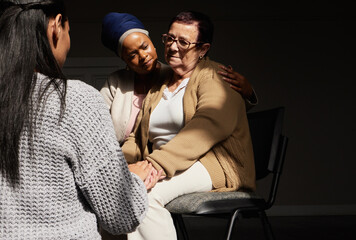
[76,176]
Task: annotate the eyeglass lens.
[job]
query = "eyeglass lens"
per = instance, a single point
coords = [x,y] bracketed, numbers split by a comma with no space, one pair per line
[180,42]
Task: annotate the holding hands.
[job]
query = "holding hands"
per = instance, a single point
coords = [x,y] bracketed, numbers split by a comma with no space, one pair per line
[148,174]
[153,178]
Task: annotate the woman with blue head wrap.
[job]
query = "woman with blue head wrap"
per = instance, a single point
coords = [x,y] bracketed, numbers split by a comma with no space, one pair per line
[125,89]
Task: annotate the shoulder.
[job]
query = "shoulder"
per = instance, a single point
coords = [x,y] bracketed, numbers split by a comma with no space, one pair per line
[207,70]
[80,88]
[122,79]
[76,91]
[84,98]
[209,65]
[206,79]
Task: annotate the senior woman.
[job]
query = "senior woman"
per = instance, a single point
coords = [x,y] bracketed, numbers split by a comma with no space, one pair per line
[125,89]
[193,127]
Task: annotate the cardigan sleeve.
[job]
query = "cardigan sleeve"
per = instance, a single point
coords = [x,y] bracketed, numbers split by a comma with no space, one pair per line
[117,92]
[131,149]
[217,110]
[108,92]
[251,101]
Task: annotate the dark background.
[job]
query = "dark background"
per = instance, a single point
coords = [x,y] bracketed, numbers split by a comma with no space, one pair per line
[297,54]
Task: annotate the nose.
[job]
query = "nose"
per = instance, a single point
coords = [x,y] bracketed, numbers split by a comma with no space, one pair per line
[143,55]
[173,46]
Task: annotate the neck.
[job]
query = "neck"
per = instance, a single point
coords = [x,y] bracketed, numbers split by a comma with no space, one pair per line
[142,84]
[182,75]
[181,72]
[175,81]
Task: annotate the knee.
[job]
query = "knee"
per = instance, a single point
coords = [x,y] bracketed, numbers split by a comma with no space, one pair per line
[155,199]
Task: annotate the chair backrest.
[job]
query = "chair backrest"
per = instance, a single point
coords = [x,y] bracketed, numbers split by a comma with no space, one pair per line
[269,145]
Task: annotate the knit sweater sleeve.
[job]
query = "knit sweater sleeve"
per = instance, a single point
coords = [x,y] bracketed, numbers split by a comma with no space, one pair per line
[118,197]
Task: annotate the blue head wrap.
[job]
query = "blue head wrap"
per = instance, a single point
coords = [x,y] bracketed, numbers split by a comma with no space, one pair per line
[116,27]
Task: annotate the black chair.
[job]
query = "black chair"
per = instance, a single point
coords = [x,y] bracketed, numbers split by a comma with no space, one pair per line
[269,147]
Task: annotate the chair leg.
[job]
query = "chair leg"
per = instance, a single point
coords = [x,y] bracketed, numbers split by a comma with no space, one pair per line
[180,226]
[231,224]
[267,228]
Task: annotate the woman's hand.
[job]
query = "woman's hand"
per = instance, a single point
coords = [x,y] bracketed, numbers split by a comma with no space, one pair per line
[237,82]
[153,178]
[148,174]
[141,169]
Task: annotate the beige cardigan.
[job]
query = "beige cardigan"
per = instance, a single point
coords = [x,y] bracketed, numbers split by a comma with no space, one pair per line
[215,132]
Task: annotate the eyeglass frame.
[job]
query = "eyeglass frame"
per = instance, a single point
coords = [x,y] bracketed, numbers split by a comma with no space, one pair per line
[165,35]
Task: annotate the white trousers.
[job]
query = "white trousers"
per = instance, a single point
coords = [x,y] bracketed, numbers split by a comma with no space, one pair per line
[158,223]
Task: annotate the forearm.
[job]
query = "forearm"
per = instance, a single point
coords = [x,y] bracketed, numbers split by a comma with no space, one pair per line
[131,149]
[117,196]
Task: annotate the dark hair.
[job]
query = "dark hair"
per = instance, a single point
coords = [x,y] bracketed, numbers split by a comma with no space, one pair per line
[25,48]
[205,25]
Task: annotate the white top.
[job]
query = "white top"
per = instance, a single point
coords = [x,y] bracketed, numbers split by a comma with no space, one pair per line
[167,119]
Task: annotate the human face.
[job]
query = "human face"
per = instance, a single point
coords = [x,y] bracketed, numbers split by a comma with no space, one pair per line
[183,61]
[139,53]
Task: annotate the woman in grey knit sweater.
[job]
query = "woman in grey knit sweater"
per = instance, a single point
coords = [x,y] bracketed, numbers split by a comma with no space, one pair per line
[62,171]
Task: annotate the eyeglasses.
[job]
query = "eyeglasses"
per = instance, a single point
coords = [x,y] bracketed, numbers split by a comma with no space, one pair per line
[181,43]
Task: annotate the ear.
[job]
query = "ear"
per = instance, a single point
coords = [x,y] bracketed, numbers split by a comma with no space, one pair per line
[54,30]
[204,49]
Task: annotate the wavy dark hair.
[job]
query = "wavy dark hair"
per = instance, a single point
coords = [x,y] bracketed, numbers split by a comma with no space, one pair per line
[24,50]
[205,25]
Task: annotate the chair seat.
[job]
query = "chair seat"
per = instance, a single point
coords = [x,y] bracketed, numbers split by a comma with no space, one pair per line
[214,202]
[269,147]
